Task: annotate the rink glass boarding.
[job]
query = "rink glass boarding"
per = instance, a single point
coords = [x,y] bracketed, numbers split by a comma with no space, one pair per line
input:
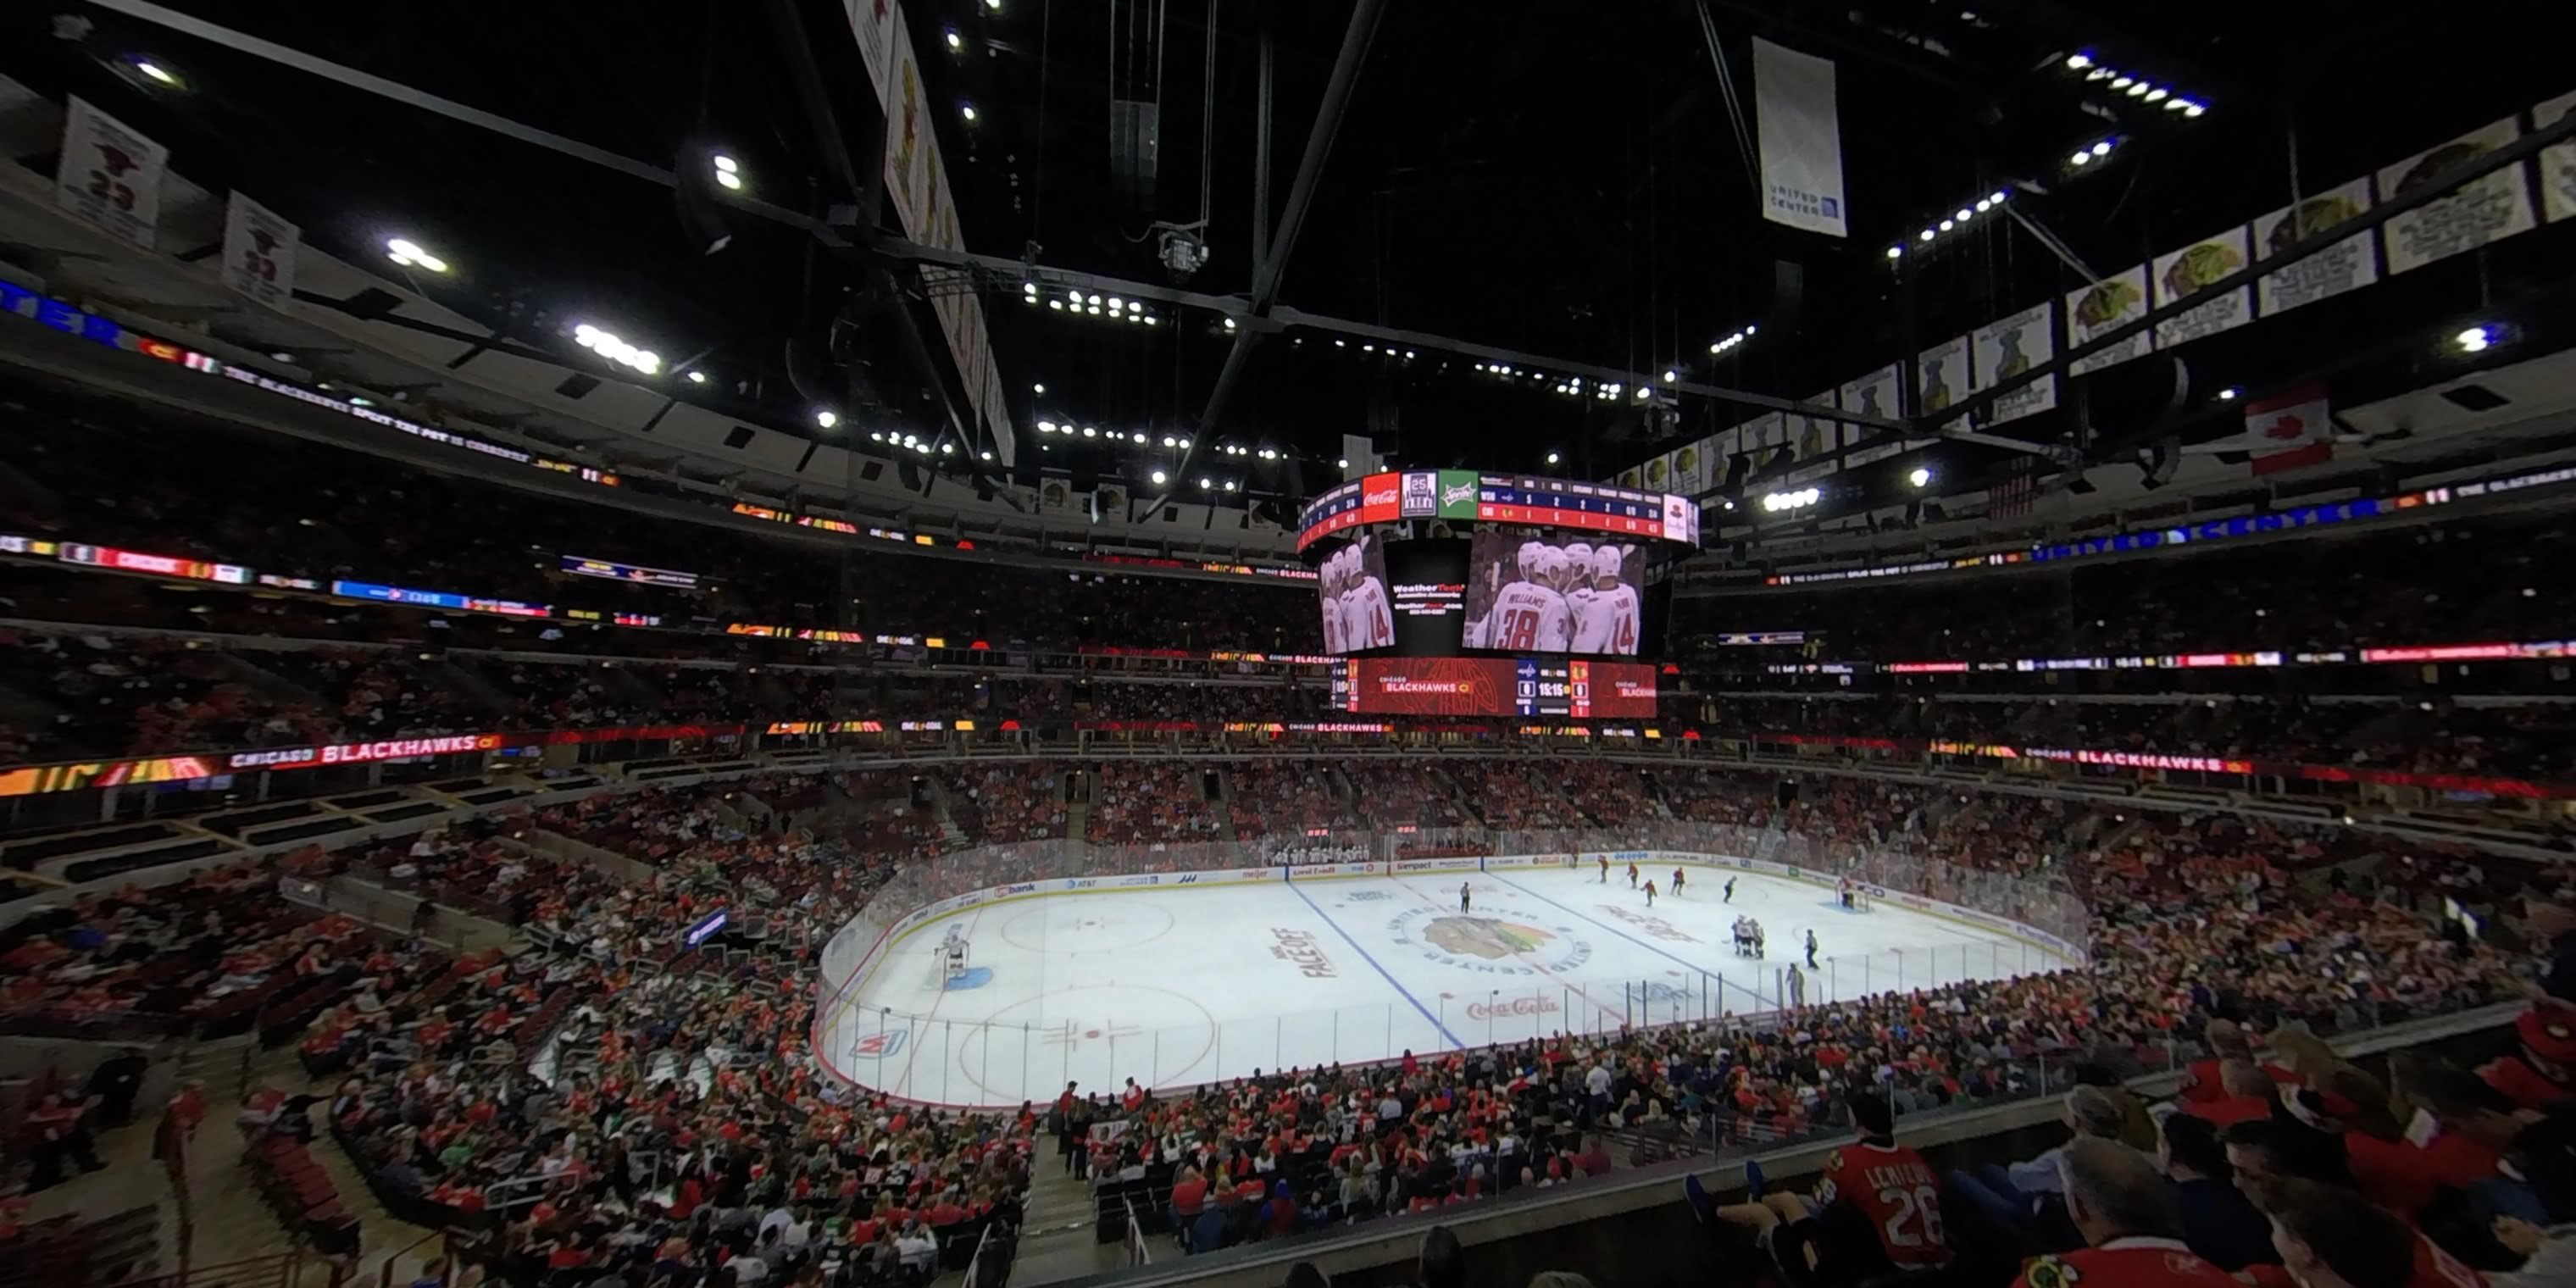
[2039,926]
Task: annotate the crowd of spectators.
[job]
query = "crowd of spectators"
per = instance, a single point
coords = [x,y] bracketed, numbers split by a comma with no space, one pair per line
[1274,797]
[1515,794]
[625,1085]
[1393,792]
[1153,802]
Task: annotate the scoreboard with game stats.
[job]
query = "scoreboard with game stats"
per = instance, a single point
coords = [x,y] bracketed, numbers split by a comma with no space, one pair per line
[1477,686]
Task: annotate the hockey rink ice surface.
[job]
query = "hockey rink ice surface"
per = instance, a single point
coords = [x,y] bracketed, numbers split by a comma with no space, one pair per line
[1173,986]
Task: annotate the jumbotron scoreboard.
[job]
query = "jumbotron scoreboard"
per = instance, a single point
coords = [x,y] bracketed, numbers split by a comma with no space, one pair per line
[1459,593]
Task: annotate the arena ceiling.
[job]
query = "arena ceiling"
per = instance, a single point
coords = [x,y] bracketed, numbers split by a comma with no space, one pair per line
[1549,179]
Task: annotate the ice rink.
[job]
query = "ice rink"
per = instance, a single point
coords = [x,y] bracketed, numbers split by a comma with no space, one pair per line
[1180,985]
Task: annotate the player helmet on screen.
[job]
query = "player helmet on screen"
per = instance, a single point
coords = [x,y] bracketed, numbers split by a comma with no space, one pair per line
[1579,553]
[1551,565]
[1530,552]
[1606,561]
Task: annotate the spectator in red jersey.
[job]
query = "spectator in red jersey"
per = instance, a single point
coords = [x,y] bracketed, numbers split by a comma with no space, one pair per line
[2545,1068]
[2245,1093]
[2132,1238]
[2226,1041]
[2330,1237]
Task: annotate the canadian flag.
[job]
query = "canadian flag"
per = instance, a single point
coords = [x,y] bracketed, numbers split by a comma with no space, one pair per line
[2292,429]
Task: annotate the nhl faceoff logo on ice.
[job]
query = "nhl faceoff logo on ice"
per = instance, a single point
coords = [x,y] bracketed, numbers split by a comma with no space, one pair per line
[879,1045]
[1487,945]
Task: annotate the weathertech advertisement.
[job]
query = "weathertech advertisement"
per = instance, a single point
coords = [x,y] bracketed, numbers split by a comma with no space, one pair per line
[1476,686]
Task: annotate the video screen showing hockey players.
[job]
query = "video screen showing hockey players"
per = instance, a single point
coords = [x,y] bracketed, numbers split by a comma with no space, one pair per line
[1358,613]
[1558,593]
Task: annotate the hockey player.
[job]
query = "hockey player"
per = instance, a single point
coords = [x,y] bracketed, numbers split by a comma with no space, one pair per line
[1730,891]
[1465,899]
[1677,883]
[1650,894]
[1370,617]
[1530,615]
[1605,869]
[1632,874]
[1330,588]
[1605,608]
[1811,950]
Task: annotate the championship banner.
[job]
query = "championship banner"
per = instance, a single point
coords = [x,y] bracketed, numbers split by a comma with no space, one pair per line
[2490,209]
[2107,305]
[1659,473]
[259,252]
[1814,438]
[1942,377]
[1761,436]
[1875,394]
[2557,162]
[2009,346]
[1800,135]
[2181,273]
[2344,266]
[110,175]
[907,112]
[872,24]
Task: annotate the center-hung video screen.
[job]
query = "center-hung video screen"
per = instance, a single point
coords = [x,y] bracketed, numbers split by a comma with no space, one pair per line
[1555,593]
[1400,597]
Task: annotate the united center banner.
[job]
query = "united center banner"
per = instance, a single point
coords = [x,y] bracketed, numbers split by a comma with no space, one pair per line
[259,251]
[1800,136]
[110,175]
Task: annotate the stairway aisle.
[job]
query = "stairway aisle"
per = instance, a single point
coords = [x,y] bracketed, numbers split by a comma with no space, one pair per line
[1057,1242]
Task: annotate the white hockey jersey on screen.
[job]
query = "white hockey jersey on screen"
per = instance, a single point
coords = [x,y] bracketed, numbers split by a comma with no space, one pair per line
[1605,621]
[1371,623]
[1528,617]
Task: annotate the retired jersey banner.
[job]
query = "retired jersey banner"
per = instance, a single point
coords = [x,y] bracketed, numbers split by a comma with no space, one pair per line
[907,153]
[2009,346]
[1800,135]
[2489,209]
[2557,162]
[259,251]
[1942,377]
[2180,274]
[2346,265]
[110,175]
[2107,305]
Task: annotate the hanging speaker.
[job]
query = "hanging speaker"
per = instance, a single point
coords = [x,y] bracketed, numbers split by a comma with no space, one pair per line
[1788,289]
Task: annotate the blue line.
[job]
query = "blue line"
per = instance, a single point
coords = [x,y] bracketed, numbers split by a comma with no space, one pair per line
[1381,970]
[1693,967]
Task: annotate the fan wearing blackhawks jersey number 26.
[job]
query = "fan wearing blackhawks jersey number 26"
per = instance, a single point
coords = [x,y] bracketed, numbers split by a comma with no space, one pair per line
[1873,1185]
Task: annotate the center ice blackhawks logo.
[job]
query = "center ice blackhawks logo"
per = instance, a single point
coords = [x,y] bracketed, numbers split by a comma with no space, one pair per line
[1488,945]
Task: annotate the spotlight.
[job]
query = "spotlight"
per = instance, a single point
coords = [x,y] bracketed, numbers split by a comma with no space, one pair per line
[827,419]
[967,110]
[410,255]
[1947,225]
[1039,387]
[1926,234]
[2102,149]
[2078,62]
[2228,394]
[955,41]
[1160,476]
[2122,82]
[1229,324]
[2080,158]
[1206,483]
[2158,94]
[1920,477]
[1167,440]
[156,72]
[2476,339]
[1140,438]
[1552,458]
[986,456]
[725,164]
[1964,214]
[697,377]
[1091,431]
[1229,485]
[1343,463]
[1998,196]
[2139,89]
